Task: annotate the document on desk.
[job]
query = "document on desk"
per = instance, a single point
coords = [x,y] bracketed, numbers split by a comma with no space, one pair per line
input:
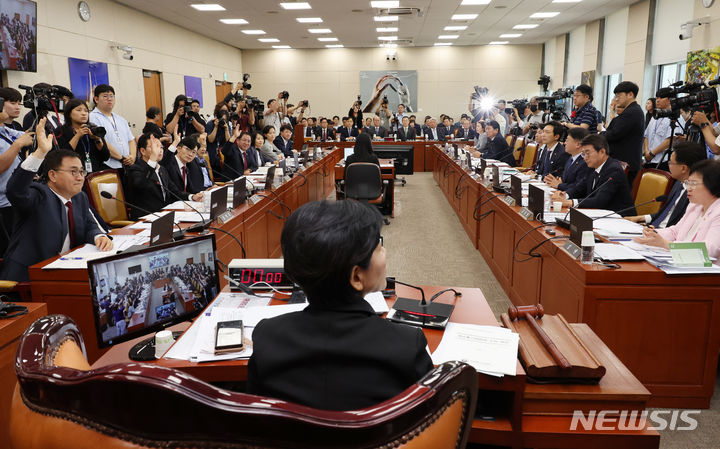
[152,217]
[140,225]
[614,251]
[617,228]
[180,205]
[190,217]
[378,303]
[489,349]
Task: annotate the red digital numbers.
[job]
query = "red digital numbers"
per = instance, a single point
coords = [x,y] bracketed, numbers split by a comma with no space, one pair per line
[259,275]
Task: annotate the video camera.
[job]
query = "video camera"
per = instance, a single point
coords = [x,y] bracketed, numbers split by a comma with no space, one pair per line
[698,97]
[385,100]
[43,99]
[550,103]
[304,104]
[359,101]
[520,105]
[245,84]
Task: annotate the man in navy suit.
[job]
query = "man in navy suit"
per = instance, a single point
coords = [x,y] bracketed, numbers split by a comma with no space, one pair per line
[240,157]
[148,184]
[684,156]
[376,130]
[325,132]
[182,168]
[553,160]
[406,131]
[576,170]
[606,186]
[347,130]
[284,142]
[465,132]
[497,147]
[50,218]
[446,129]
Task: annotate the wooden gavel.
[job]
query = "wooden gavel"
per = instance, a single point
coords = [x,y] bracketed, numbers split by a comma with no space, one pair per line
[529,313]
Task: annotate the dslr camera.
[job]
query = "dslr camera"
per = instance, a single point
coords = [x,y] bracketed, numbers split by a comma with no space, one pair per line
[304,103]
[385,100]
[245,84]
[359,101]
[285,95]
[98,131]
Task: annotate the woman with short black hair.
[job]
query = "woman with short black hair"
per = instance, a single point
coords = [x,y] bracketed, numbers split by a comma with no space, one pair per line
[79,135]
[362,152]
[336,354]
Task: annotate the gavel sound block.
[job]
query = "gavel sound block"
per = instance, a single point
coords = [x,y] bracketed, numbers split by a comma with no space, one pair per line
[550,351]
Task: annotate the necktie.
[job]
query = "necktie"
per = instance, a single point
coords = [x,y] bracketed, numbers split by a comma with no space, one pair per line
[669,206]
[184,175]
[324,137]
[595,178]
[545,163]
[567,165]
[71,223]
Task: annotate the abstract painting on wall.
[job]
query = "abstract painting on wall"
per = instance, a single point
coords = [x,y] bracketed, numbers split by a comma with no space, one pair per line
[193,88]
[702,65]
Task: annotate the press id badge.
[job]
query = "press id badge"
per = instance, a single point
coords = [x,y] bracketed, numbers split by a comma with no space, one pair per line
[88,166]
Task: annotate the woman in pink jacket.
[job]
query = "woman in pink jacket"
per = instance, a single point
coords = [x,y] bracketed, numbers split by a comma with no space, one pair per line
[701,222]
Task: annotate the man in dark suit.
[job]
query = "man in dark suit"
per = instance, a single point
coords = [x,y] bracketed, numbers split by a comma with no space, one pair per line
[50,218]
[148,184]
[465,132]
[406,132]
[553,160]
[182,168]
[684,156]
[433,132]
[347,131]
[575,172]
[240,157]
[625,133]
[376,130]
[325,132]
[606,187]
[446,129]
[337,354]
[284,142]
[497,147]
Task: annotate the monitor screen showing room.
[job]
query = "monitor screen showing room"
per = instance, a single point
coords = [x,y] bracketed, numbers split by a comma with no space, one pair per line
[18,25]
[142,292]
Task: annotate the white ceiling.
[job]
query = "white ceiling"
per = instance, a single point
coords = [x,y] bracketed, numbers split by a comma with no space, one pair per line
[351,21]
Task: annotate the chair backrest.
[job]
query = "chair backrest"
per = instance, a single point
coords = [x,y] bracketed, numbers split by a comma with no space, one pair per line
[363,181]
[60,402]
[109,181]
[209,167]
[518,148]
[529,154]
[510,139]
[651,183]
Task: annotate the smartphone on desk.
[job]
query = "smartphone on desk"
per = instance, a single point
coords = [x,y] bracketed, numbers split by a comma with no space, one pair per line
[229,336]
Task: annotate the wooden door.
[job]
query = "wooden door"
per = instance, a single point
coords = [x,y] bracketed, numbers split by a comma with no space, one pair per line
[153,94]
[222,88]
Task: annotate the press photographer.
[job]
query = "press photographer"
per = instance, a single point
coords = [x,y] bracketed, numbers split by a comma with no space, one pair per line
[183,118]
[86,139]
[44,100]
[585,114]
[13,104]
[218,133]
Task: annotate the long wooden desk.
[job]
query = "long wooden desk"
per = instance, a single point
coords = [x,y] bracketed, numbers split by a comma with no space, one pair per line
[422,150]
[387,173]
[666,329]
[525,415]
[257,226]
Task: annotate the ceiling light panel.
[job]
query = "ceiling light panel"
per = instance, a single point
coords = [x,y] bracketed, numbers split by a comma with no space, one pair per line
[455,28]
[385,18]
[309,19]
[281,46]
[474,2]
[448,36]
[234,21]
[295,5]
[268,39]
[334,46]
[320,30]
[464,17]
[443,44]
[253,31]
[528,26]
[510,35]
[387,38]
[328,39]
[498,43]
[387,30]
[544,15]
[207,7]
[384,4]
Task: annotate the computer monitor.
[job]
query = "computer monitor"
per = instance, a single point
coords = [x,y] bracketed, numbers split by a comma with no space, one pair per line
[296,158]
[218,202]
[579,222]
[269,178]
[536,201]
[468,156]
[483,166]
[138,293]
[239,192]
[304,156]
[496,176]
[283,166]
[516,189]
[161,230]
[348,152]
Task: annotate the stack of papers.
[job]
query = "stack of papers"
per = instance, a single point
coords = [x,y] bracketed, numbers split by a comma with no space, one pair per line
[662,259]
[614,252]
[617,228]
[191,217]
[490,350]
[179,205]
[78,258]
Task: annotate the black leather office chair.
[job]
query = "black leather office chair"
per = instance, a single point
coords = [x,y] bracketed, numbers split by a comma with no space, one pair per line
[363,182]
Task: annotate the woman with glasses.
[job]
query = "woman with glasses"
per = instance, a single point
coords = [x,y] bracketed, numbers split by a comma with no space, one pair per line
[336,354]
[701,221]
[83,137]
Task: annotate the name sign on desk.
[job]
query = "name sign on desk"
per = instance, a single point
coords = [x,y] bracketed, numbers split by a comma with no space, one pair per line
[225,217]
[572,249]
[526,213]
[509,200]
[254,199]
[487,183]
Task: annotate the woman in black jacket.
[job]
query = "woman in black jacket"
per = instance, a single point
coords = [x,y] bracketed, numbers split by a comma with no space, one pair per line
[362,152]
[82,137]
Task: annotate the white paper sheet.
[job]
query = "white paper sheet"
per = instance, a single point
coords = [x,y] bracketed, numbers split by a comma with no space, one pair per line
[612,251]
[152,217]
[377,301]
[78,258]
[140,225]
[489,349]
[190,217]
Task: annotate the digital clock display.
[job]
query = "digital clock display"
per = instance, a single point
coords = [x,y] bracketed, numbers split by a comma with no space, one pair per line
[250,276]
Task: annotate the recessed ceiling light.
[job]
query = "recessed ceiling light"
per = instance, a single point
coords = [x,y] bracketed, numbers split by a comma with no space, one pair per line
[268,39]
[295,5]
[253,31]
[387,38]
[498,43]
[455,28]
[525,26]
[448,36]
[207,7]
[474,2]
[443,44]
[544,15]
[464,17]
[334,46]
[328,39]
[385,18]
[510,35]
[387,30]
[281,46]
[309,19]
[234,21]
[384,4]
[320,30]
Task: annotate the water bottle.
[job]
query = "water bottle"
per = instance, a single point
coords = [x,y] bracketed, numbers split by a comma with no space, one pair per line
[587,253]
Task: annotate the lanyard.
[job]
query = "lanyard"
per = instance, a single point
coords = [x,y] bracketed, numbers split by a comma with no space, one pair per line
[84,140]
[7,139]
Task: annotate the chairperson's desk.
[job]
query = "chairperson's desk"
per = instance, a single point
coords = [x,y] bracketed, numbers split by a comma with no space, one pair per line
[524,415]
[257,226]
[420,151]
[666,329]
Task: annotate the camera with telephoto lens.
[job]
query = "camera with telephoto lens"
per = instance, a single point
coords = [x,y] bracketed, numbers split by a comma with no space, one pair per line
[285,95]
[304,104]
[98,131]
[42,99]
[385,100]
[359,101]
[697,97]
[245,84]
[520,105]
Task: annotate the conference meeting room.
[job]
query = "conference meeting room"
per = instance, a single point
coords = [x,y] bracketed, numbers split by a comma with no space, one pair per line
[380,223]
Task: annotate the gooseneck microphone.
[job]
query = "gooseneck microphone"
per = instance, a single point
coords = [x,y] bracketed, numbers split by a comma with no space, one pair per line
[203,223]
[564,222]
[110,196]
[658,199]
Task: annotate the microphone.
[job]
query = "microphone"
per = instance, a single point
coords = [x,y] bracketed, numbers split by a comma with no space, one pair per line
[422,313]
[659,199]
[564,222]
[203,224]
[109,196]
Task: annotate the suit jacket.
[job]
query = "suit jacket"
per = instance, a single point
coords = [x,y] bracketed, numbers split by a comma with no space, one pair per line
[193,173]
[680,206]
[342,357]
[409,136]
[143,189]
[498,148]
[444,131]
[708,231]
[558,159]
[234,160]
[460,134]
[379,131]
[41,224]
[330,133]
[438,132]
[282,146]
[574,176]
[625,135]
[344,134]
[615,195]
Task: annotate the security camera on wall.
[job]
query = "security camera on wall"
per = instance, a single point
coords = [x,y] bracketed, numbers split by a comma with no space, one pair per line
[127,51]
[686,29]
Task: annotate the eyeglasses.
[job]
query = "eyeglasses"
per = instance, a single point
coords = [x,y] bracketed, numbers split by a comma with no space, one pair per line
[107,97]
[75,172]
[691,184]
[189,150]
[585,153]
